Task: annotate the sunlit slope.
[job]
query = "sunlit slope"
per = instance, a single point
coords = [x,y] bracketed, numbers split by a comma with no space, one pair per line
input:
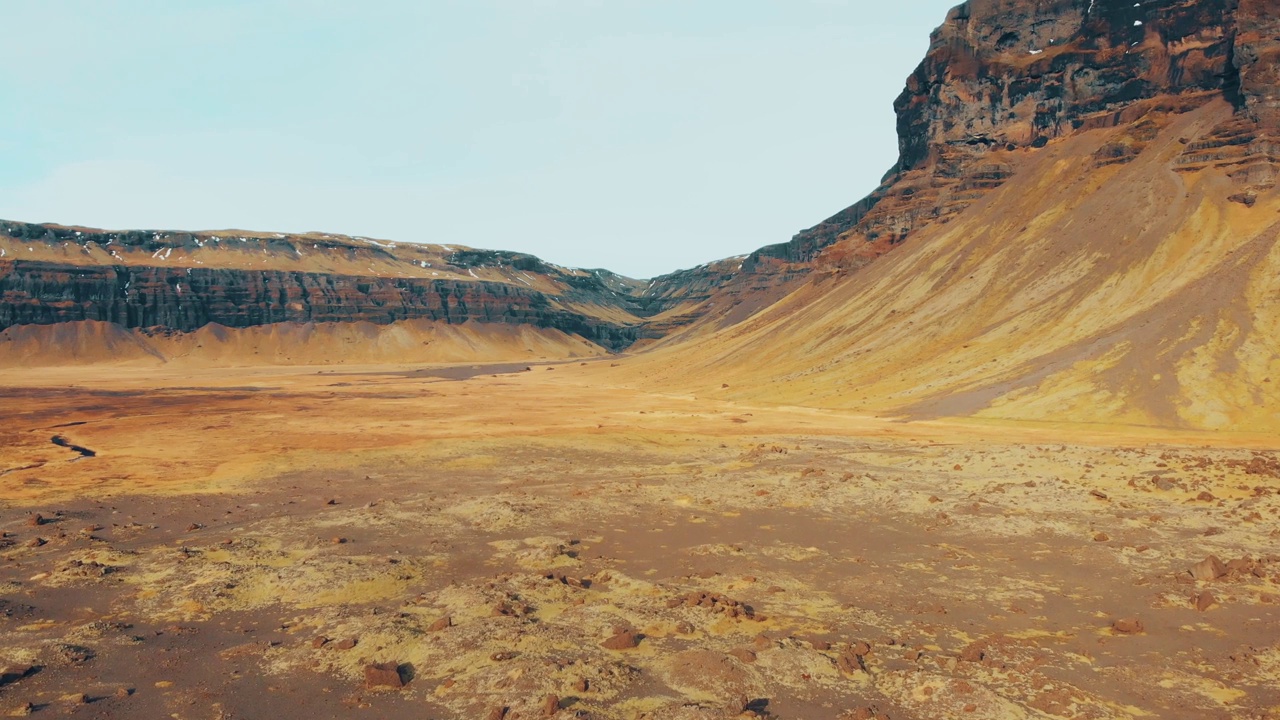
[409,341]
[1080,292]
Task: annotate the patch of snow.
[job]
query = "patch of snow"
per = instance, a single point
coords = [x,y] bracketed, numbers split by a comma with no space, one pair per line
[1136,23]
[2,252]
[179,286]
[473,273]
[1036,52]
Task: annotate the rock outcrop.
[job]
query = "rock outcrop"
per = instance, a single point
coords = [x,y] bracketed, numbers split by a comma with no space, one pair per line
[184,281]
[1004,77]
[186,299]
[1081,228]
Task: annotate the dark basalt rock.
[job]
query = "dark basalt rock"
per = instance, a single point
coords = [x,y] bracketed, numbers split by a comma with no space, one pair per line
[1002,76]
[186,299]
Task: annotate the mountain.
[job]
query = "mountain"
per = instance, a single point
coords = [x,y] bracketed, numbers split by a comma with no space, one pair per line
[1082,227]
[255,286]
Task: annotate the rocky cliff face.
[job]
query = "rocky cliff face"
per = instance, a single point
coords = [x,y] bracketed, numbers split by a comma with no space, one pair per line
[37,293]
[183,281]
[1004,78]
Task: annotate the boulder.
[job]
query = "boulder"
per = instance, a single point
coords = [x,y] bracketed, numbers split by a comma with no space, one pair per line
[383,675]
[1209,569]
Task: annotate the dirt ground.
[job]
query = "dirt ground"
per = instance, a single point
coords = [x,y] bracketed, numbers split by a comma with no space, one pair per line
[249,543]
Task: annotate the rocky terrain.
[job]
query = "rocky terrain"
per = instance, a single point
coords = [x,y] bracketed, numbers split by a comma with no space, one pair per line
[409,543]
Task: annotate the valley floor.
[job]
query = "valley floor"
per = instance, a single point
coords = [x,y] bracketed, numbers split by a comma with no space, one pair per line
[245,543]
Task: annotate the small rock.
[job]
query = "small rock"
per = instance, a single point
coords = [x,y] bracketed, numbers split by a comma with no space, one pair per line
[974,652]
[37,542]
[744,655]
[1206,496]
[14,674]
[35,520]
[1128,626]
[848,662]
[378,675]
[550,706]
[497,713]
[1102,537]
[861,649]
[1209,569]
[123,692]
[582,685]
[440,624]
[347,644]
[319,642]
[624,640]
[194,527]
[1203,600]
[339,541]
[1098,494]
[1240,566]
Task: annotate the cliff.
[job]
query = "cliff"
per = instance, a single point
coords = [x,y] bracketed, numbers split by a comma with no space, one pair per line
[1082,228]
[183,281]
[1004,78]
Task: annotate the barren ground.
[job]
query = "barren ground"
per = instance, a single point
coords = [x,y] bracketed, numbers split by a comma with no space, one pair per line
[234,531]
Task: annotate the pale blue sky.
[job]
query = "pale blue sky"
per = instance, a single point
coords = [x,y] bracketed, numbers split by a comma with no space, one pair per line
[638,135]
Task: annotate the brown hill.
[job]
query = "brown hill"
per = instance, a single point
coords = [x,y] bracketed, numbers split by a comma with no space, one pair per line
[1083,228]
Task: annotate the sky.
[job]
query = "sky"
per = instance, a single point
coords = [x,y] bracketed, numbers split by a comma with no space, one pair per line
[642,136]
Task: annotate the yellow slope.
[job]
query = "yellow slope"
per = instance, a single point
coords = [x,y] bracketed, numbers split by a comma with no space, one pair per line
[1121,294]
